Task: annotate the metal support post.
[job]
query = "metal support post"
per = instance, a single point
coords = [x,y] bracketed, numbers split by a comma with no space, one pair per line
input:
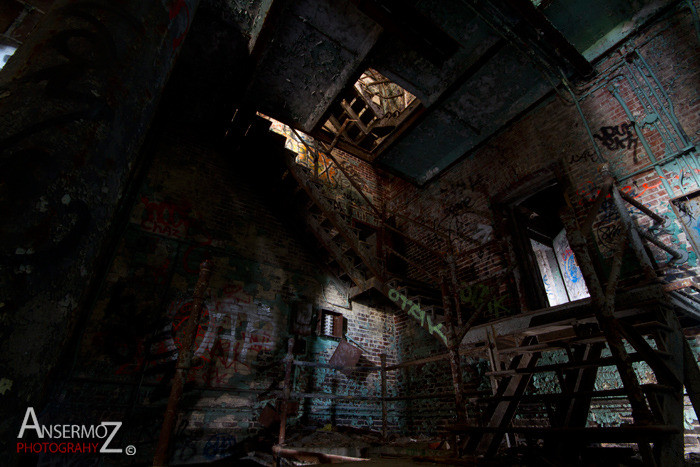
[184,361]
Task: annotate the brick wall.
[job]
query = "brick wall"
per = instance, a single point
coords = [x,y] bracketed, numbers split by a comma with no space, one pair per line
[372,330]
[197,203]
[461,199]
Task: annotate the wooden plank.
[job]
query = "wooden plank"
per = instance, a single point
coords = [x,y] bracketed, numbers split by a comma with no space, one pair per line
[629,433]
[603,361]
[574,412]
[502,412]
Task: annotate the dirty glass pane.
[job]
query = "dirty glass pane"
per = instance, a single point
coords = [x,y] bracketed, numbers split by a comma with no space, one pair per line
[549,271]
[573,279]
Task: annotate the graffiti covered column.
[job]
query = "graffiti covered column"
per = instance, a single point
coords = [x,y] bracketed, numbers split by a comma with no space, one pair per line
[75,102]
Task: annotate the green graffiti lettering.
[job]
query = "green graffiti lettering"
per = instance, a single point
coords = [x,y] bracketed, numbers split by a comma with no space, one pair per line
[417,313]
[437,329]
[393,295]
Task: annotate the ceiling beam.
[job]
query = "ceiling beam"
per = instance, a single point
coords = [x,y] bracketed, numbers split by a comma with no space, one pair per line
[402,20]
[549,37]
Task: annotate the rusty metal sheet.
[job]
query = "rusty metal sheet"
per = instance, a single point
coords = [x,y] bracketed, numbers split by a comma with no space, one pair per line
[345,355]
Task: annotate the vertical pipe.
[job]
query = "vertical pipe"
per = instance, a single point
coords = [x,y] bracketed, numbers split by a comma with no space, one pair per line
[694,14]
[184,360]
[384,418]
[645,98]
[583,118]
[286,391]
[670,113]
[614,90]
[453,349]
[453,276]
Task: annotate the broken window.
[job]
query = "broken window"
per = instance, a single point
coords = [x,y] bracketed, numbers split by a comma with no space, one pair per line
[6,52]
[546,252]
[331,324]
[368,115]
[307,153]
[560,273]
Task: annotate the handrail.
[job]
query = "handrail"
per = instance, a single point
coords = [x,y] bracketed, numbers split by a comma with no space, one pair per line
[412,263]
[380,216]
[631,227]
[342,169]
[287,393]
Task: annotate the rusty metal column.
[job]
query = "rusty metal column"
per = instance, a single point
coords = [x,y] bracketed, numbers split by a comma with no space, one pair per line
[182,368]
[76,100]
[384,414]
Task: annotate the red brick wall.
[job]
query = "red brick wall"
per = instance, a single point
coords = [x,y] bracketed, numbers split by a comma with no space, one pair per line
[553,132]
[197,202]
[460,199]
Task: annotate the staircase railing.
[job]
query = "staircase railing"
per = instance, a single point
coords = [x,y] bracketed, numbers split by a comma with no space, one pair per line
[603,292]
[631,227]
[380,217]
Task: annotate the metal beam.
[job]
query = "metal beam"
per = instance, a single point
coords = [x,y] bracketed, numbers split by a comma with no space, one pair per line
[550,38]
[412,27]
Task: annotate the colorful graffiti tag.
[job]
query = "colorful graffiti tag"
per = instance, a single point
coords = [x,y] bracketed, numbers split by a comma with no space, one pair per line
[415,311]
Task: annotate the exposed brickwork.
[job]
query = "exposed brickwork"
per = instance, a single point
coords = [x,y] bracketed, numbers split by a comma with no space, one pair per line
[196,204]
[462,199]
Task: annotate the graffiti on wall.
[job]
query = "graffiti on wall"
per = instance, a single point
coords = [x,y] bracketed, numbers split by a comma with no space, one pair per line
[219,445]
[463,216]
[414,309]
[180,9]
[621,136]
[307,155]
[589,191]
[588,155]
[164,218]
[571,273]
[480,295]
[689,216]
[230,336]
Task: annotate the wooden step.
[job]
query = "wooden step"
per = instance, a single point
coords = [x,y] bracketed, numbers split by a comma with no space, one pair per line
[623,433]
[553,345]
[605,393]
[598,362]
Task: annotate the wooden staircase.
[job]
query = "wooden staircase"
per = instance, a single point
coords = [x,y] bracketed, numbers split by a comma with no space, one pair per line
[356,248]
[654,334]
[616,327]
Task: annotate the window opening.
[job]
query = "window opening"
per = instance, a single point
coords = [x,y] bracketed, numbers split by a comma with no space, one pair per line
[6,52]
[557,266]
[331,324]
[687,209]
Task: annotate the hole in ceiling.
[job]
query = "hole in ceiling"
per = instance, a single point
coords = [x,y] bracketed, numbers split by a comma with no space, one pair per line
[368,115]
